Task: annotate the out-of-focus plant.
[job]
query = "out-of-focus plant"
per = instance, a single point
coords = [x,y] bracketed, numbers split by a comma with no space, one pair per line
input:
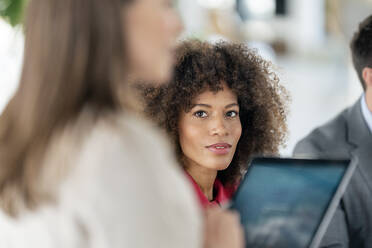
[12,10]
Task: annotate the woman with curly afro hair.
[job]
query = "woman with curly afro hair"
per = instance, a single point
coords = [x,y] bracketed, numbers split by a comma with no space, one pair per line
[223,106]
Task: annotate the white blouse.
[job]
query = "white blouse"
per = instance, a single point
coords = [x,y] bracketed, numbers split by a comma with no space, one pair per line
[122,188]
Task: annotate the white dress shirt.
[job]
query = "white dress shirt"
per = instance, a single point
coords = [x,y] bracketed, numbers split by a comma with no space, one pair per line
[367,114]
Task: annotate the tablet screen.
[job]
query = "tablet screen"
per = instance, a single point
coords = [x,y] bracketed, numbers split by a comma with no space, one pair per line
[283,201]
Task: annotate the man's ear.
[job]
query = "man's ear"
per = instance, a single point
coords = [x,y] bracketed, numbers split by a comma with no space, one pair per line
[367,76]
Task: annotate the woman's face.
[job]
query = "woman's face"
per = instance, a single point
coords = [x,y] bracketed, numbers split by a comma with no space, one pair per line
[210,132]
[151,28]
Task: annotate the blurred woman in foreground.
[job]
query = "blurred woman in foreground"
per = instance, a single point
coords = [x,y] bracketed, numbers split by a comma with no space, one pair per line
[77,168]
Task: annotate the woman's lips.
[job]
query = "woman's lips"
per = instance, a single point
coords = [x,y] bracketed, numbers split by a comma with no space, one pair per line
[219,148]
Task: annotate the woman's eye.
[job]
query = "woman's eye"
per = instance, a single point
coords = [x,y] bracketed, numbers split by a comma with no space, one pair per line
[232,114]
[200,114]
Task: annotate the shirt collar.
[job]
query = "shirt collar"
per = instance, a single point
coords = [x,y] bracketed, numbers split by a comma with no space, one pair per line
[367,115]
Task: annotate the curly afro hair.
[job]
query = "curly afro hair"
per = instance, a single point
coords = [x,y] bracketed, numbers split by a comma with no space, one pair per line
[202,66]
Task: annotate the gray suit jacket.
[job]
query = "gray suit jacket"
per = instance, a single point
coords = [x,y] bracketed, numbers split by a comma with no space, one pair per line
[347,135]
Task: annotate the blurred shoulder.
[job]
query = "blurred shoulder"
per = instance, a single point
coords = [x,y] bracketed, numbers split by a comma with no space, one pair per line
[110,139]
[125,175]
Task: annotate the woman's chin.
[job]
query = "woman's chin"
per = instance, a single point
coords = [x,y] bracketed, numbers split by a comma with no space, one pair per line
[218,167]
[221,164]
[222,168]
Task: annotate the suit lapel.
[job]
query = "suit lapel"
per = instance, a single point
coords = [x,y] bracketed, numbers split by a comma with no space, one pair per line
[360,138]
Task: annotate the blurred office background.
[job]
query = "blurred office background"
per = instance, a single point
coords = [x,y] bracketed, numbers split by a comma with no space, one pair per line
[307,41]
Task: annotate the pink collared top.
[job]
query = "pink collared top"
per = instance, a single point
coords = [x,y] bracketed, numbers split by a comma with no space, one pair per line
[221,193]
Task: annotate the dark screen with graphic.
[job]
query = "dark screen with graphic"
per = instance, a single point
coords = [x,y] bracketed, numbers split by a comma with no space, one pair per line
[282,203]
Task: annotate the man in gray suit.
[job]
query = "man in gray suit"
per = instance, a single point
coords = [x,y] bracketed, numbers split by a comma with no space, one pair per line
[349,134]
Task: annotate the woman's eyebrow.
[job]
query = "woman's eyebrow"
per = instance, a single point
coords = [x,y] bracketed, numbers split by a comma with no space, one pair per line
[231,105]
[201,105]
[209,106]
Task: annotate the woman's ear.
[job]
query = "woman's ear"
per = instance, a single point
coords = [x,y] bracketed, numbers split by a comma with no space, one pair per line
[367,76]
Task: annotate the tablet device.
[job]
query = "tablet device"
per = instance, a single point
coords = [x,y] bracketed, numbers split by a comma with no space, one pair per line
[286,202]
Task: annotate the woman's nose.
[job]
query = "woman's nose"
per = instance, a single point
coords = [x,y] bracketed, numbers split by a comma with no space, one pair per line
[180,25]
[218,127]
[177,24]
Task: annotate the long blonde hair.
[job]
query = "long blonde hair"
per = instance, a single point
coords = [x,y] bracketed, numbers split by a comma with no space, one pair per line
[74,56]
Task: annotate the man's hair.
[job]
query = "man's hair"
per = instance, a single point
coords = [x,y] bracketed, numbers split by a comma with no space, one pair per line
[361,48]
